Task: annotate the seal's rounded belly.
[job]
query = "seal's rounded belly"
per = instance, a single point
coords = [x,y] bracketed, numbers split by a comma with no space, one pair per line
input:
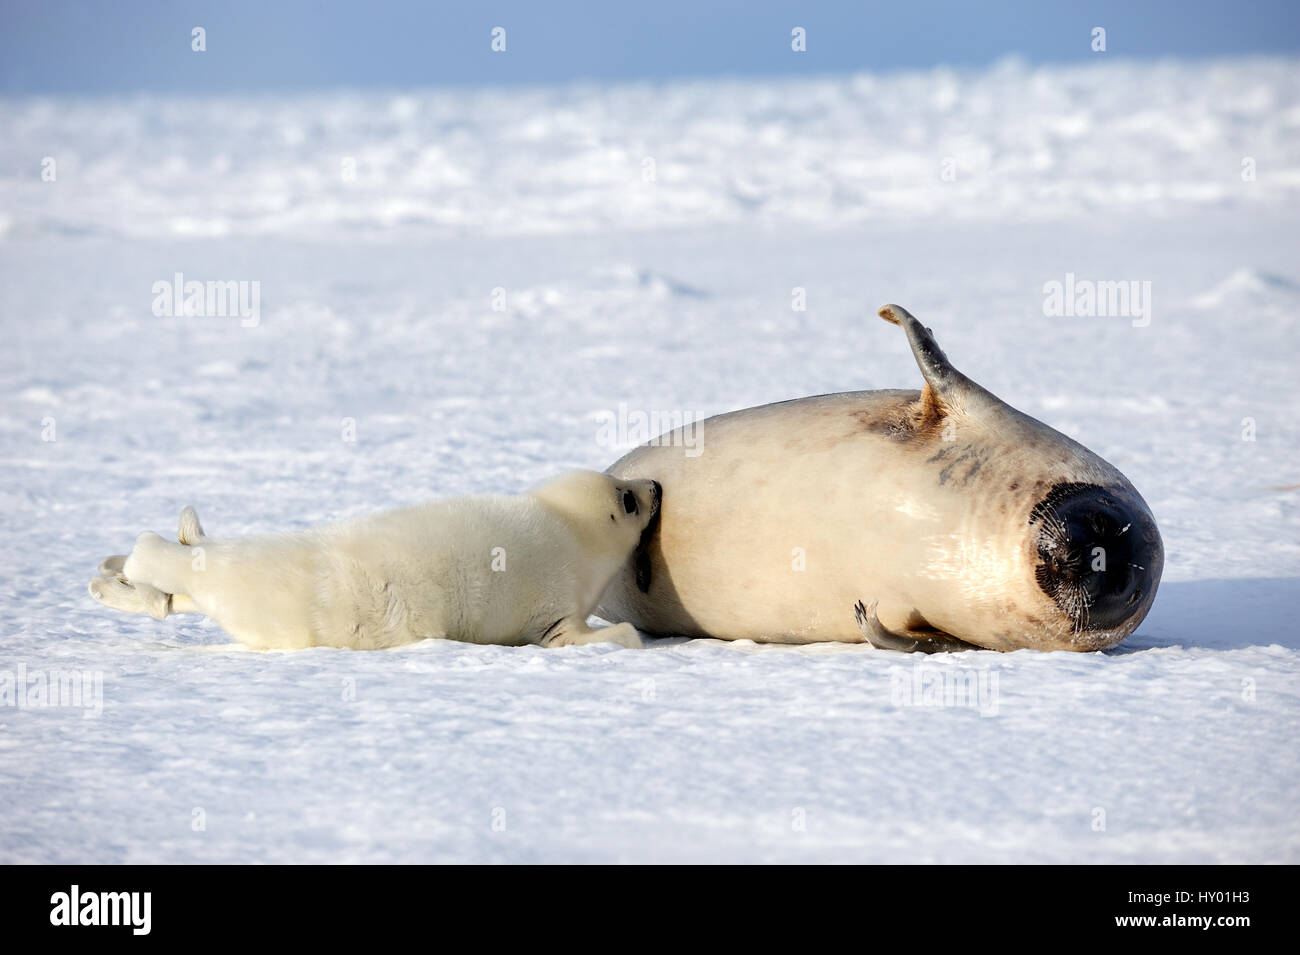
[929,520]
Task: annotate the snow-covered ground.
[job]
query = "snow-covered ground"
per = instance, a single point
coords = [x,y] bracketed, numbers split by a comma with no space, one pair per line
[645,242]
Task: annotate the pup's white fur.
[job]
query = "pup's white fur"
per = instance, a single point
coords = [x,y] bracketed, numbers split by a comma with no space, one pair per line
[488,569]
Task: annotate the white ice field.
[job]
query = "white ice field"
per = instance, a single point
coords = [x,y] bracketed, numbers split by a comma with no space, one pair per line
[648,239]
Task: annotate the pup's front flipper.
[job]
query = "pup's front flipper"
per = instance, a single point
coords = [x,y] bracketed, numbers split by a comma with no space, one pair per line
[573,631]
[909,641]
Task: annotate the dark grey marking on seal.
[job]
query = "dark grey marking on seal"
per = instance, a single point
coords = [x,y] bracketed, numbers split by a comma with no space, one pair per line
[968,453]
[641,556]
[642,571]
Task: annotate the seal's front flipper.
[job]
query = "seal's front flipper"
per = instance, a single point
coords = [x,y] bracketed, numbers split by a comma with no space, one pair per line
[909,641]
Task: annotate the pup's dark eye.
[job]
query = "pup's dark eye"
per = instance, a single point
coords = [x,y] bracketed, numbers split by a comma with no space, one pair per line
[629,502]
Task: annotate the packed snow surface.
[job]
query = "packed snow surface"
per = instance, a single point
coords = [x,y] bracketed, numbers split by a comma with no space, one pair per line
[453,286]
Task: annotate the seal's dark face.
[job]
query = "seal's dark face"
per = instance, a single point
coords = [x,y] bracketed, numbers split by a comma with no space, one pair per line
[1100,555]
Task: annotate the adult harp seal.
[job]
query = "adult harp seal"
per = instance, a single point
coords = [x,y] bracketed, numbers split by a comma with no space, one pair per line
[942,519]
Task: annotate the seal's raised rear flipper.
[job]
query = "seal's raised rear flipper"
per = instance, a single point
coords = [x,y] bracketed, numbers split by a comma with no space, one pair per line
[909,641]
[946,388]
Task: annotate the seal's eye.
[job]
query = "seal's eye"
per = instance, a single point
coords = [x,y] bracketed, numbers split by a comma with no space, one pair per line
[629,502]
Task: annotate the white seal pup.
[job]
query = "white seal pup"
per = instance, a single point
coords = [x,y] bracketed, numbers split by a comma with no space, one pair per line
[935,520]
[500,569]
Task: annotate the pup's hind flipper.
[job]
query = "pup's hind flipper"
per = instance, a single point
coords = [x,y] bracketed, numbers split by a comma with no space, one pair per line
[190,531]
[120,594]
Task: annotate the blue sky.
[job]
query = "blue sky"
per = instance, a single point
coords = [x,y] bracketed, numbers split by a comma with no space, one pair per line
[130,45]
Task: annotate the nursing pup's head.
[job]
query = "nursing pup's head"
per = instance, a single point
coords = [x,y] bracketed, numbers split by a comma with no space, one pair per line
[611,514]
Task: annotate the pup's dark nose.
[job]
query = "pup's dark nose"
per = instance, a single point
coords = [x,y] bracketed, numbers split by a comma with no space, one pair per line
[1100,554]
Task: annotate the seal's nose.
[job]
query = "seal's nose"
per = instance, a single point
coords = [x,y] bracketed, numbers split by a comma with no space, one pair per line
[1101,555]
